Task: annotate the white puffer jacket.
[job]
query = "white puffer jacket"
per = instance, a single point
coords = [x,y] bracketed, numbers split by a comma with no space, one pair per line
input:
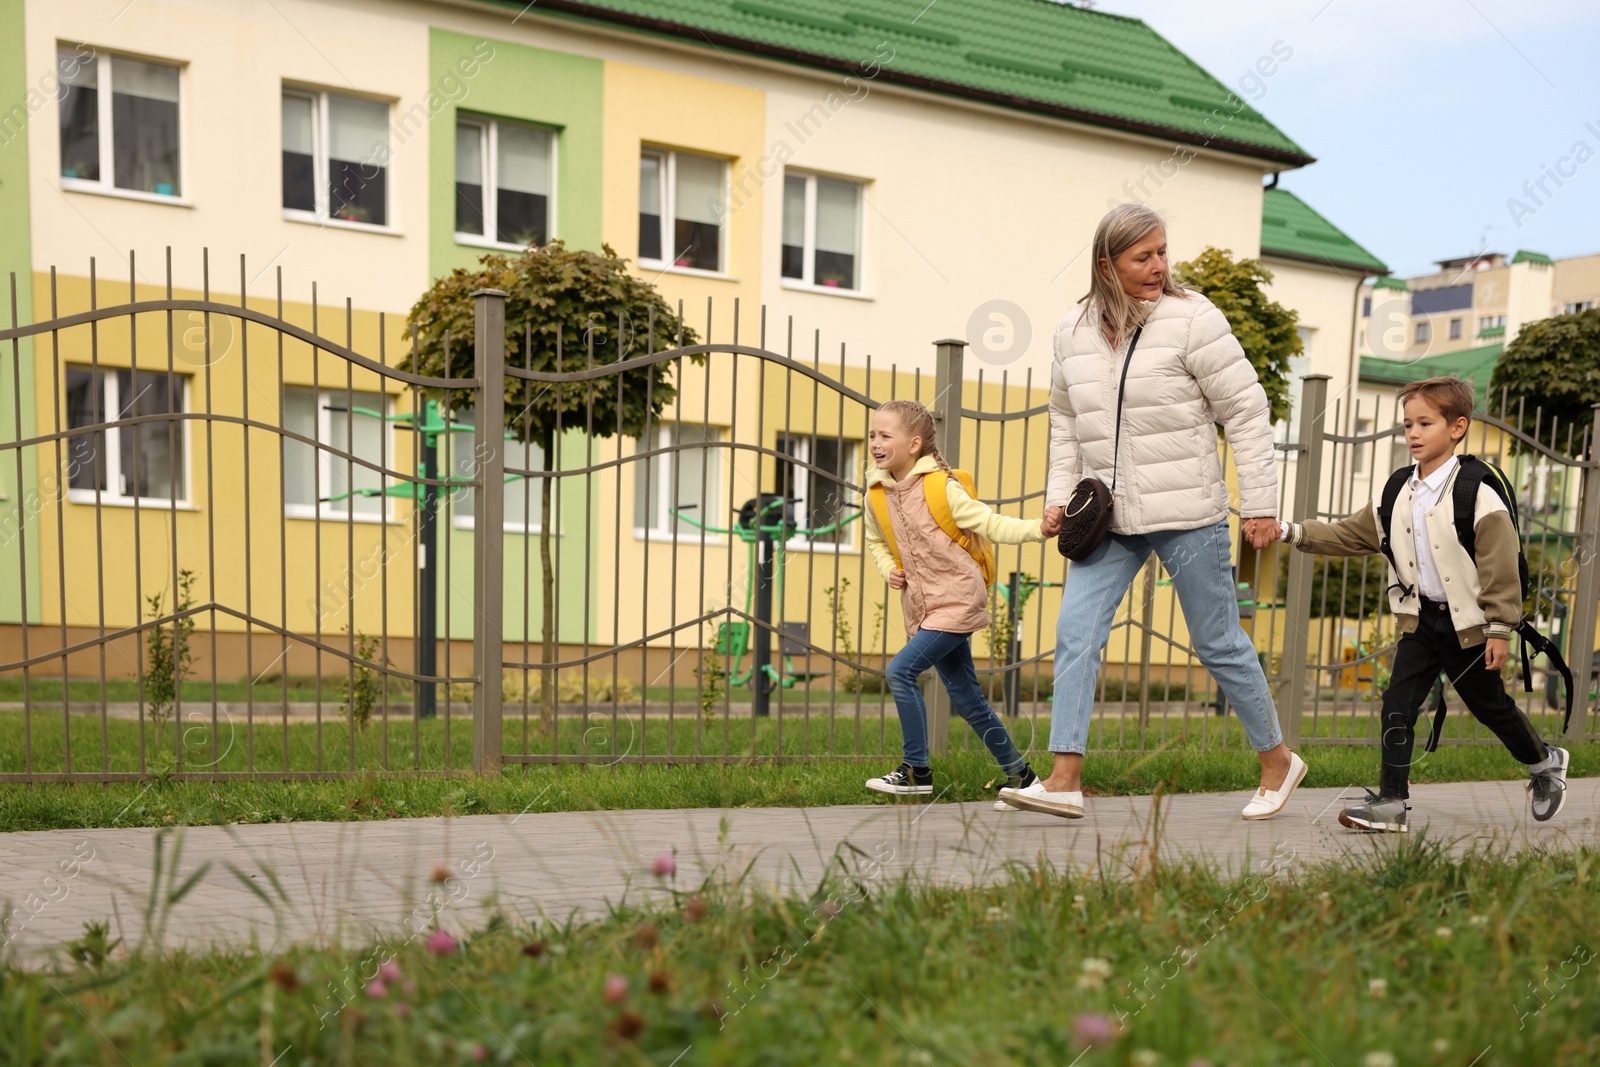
[1188,374]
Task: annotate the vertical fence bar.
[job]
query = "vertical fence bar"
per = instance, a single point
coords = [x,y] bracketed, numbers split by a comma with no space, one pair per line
[1580,638]
[947,367]
[1297,601]
[488,531]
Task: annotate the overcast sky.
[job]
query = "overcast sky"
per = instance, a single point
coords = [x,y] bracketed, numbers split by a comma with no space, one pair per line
[1425,117]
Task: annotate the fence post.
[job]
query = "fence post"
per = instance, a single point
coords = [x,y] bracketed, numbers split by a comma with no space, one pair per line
[1297,600]
[1581,619]
[488,527]
[947,369]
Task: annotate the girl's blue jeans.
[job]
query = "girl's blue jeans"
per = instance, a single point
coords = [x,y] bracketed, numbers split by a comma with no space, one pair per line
[1200,564]
[951,655]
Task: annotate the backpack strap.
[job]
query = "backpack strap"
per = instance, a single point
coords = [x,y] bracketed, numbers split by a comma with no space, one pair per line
[878,502]
[1432,744]
[1542,645]
[1391,493]
[937,493]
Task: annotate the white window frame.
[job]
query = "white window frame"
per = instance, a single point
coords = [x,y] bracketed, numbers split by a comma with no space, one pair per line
[106,184]
[1458,328]
[1358,456]
[324,509]
[319,163]
[512,522]
[669,219]
[661,527]
[111,459]
[1489,322]
[1578,307]
[489,152]
[1421,332]
[806,282]
[852,461]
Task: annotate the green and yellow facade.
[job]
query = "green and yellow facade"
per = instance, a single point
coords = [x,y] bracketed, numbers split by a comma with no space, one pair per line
[978,177]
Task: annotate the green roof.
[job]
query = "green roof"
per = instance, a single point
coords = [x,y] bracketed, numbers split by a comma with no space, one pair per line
[1391,283]
[1031,55]
[1473,365]
[1291,229]
[1524,256]
[1492,331]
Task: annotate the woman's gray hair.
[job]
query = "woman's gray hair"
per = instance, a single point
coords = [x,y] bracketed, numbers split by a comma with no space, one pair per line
[1122,227]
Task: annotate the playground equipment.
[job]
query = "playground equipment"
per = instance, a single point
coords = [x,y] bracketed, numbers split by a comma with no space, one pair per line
[764,523]
[428,425]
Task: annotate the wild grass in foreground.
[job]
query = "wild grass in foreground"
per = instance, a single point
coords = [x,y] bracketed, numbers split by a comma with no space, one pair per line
[1412,957]
[963,776]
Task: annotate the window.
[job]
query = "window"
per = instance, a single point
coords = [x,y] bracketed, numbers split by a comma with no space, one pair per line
[1399,451]
[1455,329]
[1489,322]
[821,231]
[1422,332]
[822,497]
[514,163]
[1299,367]
[1366,307]
[686,480]
[311,476]
[145,461]
[120,125]
[522,496]
[682,204]
[335,158]
[1358,458]
[1578,307]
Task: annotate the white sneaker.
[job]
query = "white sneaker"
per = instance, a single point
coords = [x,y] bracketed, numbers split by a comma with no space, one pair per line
[1268,802]
[1037,798]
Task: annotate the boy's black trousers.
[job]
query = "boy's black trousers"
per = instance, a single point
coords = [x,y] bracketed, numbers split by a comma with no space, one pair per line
[1418,659]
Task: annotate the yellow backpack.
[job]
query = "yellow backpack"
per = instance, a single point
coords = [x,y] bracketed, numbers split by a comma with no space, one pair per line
[937,493]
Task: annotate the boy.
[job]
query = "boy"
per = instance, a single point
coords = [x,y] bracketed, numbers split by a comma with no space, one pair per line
[1456,609]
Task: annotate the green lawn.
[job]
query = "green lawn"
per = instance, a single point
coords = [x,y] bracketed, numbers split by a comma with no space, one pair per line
[373,793]
[1409,958]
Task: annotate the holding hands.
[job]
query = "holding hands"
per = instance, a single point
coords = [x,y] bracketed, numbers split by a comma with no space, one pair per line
[1051,524]
[1261,532]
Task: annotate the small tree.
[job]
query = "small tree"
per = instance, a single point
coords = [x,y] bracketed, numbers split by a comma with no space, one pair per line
[1553,367]
[565,309]
[168,652]
[1265,328]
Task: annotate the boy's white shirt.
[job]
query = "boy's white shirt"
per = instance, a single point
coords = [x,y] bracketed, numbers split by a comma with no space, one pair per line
[1424,495]
[969,514]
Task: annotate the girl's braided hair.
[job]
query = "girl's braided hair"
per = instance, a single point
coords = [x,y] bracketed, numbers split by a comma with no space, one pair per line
[917,421]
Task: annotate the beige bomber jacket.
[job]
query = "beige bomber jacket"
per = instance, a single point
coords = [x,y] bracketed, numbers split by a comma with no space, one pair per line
[1485,599]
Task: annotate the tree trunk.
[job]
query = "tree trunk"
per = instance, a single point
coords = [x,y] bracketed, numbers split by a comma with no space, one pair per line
[547,677]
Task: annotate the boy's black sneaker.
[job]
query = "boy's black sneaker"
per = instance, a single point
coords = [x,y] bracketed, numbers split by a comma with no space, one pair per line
[1379,814]
[1016,781]
[1549,786]
[904,779]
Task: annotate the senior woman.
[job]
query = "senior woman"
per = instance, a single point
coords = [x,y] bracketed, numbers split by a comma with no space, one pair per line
[1187,372]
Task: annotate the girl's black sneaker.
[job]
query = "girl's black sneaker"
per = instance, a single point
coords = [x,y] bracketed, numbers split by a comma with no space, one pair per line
[904,779]
[1016,781]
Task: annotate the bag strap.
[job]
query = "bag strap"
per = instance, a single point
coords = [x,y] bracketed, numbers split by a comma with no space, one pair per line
[1391,493]
[877,499]
[1121,387]
[937,494]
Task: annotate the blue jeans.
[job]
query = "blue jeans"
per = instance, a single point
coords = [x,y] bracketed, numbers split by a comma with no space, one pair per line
[1201,566]
[951,655]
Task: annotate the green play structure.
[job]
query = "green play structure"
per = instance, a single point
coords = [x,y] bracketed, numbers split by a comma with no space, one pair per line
[765,524]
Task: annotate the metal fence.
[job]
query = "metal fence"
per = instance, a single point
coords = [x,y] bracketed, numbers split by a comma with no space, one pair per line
[242,543]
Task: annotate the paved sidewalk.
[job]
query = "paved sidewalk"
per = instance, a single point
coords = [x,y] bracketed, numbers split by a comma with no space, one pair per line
[361,881]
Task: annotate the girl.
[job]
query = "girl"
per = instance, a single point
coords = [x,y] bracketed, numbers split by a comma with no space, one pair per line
[943,595]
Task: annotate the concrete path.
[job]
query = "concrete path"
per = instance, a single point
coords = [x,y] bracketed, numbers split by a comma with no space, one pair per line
[360,882]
